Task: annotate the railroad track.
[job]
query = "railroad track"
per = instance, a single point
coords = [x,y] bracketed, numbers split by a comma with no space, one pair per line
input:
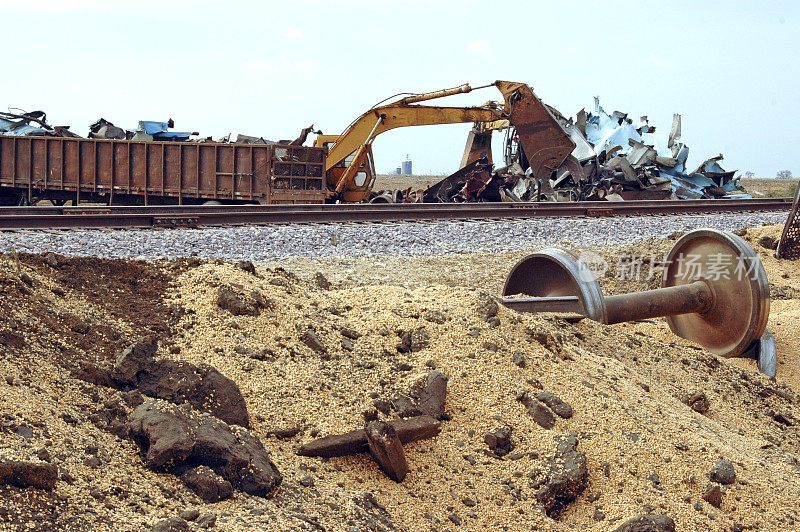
[215,215]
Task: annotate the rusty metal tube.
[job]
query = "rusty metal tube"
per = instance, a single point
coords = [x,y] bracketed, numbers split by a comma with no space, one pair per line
[695,297]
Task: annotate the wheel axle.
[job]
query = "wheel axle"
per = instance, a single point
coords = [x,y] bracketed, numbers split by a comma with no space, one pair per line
[714,292]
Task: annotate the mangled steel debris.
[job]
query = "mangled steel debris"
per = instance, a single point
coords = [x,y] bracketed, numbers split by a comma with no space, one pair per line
[103,129]
[34,123]
[248,139]
[615,159]
[22,125]
[468,184]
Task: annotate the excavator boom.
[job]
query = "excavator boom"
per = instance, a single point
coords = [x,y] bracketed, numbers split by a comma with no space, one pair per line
[391,117]
[349,171]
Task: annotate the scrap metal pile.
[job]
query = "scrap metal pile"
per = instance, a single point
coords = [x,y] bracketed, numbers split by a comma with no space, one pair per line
[615,159]
[34,124]
[31,124]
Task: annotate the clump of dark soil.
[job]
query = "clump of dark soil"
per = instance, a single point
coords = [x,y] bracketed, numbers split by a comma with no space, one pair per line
[132,291]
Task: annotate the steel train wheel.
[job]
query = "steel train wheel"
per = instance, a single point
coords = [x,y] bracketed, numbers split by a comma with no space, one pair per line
[737,278]
[557,272]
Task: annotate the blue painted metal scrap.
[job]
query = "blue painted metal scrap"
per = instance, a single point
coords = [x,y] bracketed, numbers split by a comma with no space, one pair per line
[161,131]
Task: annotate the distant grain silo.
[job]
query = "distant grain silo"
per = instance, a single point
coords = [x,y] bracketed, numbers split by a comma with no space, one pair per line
[406,166]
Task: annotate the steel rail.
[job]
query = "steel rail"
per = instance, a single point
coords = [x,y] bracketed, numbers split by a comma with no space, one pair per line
[44,217]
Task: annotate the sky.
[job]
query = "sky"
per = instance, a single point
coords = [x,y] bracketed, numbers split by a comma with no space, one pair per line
[271,68]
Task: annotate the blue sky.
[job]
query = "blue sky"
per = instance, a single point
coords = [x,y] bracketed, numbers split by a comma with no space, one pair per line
[270,68]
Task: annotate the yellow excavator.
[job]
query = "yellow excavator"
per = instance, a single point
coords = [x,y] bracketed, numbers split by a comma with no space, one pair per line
[350,170]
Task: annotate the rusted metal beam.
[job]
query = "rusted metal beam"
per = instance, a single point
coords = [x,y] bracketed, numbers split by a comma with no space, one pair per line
[387,449]
[355,441]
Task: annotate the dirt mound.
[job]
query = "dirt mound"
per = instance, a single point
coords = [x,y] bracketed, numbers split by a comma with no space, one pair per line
[627,394]
[56,313]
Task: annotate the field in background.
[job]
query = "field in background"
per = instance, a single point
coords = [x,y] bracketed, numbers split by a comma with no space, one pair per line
[402,182]
[770,188]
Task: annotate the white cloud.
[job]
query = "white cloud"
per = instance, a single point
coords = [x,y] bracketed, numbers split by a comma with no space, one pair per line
[481,48]
[293,33]
[573,48]
[282,66]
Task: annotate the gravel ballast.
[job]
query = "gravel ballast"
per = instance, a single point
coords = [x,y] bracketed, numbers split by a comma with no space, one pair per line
[263,243]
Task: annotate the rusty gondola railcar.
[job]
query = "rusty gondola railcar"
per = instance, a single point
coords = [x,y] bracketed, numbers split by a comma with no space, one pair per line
[124,172]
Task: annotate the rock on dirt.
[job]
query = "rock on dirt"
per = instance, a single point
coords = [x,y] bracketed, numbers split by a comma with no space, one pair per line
[12,339]
[556,404]
[698,402]
[545,338]
[435,316]
[236,304]
[312,341]
[414,340]
[712,494]
[538,411]
[174,436]
[203,387]
[247,266]
[208,485]
[207,520]
[28,474]
[349,332]
[647,523]
[321,281]
[567,477]
[768,242]
[487,306]
[285,433]
[133,358]
[426,397]
[499,440]
[173,524]
[723,472]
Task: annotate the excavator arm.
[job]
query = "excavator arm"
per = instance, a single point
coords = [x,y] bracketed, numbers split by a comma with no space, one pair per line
[349,170]
[382,119]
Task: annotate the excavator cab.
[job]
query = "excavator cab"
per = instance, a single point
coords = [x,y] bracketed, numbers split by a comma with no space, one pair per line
[362,180]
